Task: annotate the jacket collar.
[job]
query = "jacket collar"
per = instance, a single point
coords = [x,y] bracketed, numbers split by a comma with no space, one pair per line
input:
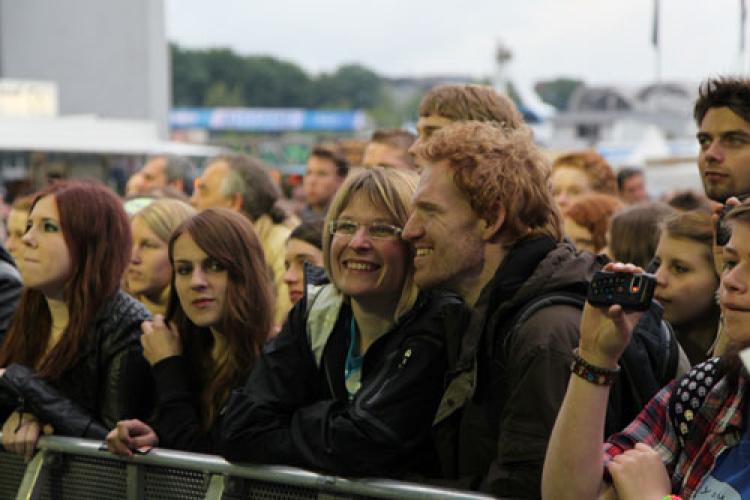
[520,263]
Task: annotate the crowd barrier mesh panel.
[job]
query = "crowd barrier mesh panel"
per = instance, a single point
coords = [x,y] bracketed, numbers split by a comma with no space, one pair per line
[68,477]
[165,483]
[13,468]
[247,489]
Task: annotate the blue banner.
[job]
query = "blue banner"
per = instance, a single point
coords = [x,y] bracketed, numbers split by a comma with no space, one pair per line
[268,119]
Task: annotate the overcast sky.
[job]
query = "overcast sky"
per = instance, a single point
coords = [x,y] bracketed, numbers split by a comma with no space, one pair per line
[596,40]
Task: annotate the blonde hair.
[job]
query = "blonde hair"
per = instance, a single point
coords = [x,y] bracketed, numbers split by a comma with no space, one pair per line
[694,225]
[740,213]
[163,216]
[392,190]
[23,203]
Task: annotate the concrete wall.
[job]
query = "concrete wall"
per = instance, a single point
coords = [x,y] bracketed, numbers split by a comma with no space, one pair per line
[109,58]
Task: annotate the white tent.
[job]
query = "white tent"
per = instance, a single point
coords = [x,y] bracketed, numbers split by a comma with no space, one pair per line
[90,134]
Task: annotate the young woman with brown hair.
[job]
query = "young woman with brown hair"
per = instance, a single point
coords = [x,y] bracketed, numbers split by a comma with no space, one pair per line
[219,314]
[634,232]
[305,245]
[71,356]
[686,281]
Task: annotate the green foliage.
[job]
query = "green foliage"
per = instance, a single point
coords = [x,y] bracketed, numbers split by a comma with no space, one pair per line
[269,82]
[190,77]
[390,112]
[219,77]
[351,86]
[219,94]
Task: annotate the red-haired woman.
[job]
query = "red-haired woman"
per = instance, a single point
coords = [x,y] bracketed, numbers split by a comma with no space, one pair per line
[71,358]
[586,221]
[220,311]
[578,173]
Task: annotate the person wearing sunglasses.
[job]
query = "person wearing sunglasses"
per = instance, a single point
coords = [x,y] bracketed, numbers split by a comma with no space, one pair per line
[351,384]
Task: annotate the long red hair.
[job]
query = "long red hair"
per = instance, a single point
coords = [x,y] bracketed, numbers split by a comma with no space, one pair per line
[97,233]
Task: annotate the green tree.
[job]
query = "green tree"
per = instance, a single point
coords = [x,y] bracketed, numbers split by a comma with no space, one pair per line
[190,77]
[220,77]
[351,86]
[270,82]
[220,94]
[216,77]
[390,112]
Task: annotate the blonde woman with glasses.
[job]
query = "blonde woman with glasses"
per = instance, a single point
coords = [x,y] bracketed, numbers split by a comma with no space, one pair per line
[351,384]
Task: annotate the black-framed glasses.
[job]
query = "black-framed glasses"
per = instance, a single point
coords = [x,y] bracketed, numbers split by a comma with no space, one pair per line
[376,230]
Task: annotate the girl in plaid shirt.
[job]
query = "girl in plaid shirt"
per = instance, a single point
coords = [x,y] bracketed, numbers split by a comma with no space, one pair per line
[685,440]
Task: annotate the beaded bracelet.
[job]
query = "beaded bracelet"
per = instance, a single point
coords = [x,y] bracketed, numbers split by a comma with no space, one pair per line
[591,373]
[672,497]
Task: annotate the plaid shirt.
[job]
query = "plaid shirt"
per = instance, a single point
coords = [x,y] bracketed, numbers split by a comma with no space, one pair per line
[717,426]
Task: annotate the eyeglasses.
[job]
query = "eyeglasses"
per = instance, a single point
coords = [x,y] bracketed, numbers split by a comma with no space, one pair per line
[376,230]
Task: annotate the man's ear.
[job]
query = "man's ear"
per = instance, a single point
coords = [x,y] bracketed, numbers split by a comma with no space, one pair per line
[236,202]
[178,184]
[491,230]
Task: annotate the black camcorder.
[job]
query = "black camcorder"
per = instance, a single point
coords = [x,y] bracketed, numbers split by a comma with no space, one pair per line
[631,291]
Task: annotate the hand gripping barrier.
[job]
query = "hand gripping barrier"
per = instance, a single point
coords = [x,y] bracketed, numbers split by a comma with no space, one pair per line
[77,469]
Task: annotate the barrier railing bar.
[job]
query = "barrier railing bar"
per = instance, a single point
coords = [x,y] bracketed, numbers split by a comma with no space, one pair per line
[34,470]
[212,464]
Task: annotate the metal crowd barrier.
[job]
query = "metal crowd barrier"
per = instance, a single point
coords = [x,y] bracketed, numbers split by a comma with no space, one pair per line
[66,468]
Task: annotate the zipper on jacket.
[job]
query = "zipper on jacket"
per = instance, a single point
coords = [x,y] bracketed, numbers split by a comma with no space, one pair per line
[328,379]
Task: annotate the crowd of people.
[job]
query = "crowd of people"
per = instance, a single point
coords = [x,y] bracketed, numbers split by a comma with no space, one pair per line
[420,316]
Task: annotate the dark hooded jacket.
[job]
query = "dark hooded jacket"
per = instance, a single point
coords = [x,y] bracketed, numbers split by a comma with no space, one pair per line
[497,413]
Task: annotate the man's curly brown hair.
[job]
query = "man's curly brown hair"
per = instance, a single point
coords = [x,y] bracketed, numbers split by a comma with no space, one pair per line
[497,168]
[600,174]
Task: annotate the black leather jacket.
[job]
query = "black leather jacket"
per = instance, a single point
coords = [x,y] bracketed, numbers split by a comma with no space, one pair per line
[110,381]
[296,411]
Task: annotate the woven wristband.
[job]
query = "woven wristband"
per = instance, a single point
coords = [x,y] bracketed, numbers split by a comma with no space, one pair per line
[591,373]
[672,497]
